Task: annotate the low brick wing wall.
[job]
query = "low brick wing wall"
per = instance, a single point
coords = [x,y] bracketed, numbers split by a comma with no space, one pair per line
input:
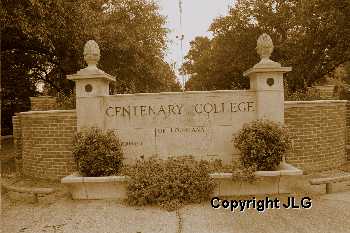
[47,138]
[318,131]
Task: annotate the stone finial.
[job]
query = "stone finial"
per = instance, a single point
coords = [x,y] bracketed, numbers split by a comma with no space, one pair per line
[264,46]
[91,53]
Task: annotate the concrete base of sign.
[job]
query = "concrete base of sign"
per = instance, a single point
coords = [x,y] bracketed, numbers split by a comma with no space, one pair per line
[268,182]
[96,188]
[114,187]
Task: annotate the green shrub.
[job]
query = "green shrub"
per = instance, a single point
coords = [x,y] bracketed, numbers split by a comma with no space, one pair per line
[169,183]
[262,144]
[97,153]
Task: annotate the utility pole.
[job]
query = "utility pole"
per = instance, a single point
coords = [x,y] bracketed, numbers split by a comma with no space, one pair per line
[181,38]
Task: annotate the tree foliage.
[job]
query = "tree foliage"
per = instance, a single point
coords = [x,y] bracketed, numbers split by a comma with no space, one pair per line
[43,41]
[311,36]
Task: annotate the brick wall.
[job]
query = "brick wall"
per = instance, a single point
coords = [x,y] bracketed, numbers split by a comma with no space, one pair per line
[17,141]
[43,103]
[17,136]
[47,142]
[318,130]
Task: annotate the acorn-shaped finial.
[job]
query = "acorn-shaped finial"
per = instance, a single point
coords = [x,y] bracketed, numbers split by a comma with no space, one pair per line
[264,46]
[91,53]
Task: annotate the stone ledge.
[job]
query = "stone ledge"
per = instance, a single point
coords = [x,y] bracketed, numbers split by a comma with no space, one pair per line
[266,69]
[96,188]
[269,182]
[115,187]
[76,178]
[184,93]
[42,97]
[284,169]
[48,112]
[291,104]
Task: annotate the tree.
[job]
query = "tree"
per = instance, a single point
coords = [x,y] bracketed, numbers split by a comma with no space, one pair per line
[133,42]
[43,41]
[311,36]
[198,61]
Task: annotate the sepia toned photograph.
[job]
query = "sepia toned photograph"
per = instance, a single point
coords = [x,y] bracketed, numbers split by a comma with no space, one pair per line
[175,116]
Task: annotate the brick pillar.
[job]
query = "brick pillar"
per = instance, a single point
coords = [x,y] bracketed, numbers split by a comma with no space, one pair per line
[43,103]
[17,140]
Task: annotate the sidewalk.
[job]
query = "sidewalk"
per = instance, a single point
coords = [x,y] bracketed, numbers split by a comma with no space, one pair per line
[329,215]
[58,214]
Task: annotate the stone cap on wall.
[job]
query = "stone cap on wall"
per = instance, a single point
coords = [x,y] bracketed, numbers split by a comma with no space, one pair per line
[290,104]
[47,112]
[267,70]
[185,93]
[91,74]
[43,103]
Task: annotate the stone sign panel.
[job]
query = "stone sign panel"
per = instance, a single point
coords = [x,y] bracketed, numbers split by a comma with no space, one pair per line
[200,124]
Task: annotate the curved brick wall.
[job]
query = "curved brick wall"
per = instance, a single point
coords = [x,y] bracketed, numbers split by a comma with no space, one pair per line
[47,142]
[318,131]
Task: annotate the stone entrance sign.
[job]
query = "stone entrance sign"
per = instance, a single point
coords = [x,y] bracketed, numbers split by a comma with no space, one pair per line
[173,124]
[200,124]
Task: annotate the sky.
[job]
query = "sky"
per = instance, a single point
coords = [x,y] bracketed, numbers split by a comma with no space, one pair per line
[197,16]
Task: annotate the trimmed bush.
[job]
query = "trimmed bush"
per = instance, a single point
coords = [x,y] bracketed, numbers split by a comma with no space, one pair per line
[262,144]
[169,183]
[97,153]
